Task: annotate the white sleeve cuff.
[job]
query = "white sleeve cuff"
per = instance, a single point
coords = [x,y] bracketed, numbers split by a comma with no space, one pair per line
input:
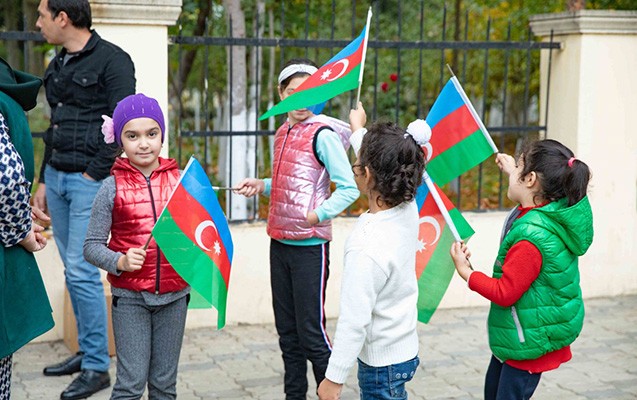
[356,139]
[336,374]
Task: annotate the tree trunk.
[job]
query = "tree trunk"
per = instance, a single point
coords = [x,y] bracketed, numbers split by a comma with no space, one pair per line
[575,5]
[457,31]
[34,59]
[239,149]
[11,11]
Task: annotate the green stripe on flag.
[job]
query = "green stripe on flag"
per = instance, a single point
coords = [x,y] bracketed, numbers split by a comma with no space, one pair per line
[435,279]
[315,95]
[194,266]
[460,158]
[462,226]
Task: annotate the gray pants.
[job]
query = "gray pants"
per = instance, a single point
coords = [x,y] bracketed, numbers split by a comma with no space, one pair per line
[148,341]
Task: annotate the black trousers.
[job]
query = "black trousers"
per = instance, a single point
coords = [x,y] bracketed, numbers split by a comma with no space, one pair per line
[298,276]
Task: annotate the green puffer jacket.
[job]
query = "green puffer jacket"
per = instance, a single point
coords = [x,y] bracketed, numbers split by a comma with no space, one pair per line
[550,314]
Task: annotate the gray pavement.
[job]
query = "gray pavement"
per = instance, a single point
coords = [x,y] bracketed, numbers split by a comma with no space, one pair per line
[243,362]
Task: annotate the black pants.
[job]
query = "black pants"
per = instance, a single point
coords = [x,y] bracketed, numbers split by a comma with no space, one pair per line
[504,382]
[298,276]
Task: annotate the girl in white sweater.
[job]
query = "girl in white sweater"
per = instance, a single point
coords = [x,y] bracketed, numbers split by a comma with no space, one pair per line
[377,322]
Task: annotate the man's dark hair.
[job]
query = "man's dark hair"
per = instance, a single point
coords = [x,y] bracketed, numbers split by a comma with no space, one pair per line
[79,11]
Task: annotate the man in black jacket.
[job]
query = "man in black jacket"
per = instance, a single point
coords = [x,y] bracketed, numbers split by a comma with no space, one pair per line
[84,81]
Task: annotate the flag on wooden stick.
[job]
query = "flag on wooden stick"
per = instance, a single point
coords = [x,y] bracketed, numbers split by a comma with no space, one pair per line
[193,234]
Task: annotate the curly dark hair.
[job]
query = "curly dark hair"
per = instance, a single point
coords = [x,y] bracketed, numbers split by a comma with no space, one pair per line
[395,160]
[549,159]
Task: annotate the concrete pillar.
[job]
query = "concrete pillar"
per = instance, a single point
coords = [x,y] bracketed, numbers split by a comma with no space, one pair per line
[141,28]
[592,106]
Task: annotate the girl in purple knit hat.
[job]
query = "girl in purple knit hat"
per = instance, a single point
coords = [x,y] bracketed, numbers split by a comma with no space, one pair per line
[149,297]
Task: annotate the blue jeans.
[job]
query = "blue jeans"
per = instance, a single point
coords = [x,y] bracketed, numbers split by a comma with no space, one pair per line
[385,383]
[504,382]
[69,197]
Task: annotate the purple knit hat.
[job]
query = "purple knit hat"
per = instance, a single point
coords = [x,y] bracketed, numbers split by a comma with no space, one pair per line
[136,106]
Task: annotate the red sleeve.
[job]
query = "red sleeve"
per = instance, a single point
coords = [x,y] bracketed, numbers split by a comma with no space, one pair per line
[521,267]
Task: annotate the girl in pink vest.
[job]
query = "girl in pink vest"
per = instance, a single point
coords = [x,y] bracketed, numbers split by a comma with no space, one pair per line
[309,153]
[149,297]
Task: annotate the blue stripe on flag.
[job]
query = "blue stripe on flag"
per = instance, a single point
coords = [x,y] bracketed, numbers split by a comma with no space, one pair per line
[447,102]
[346,52]
[421,195]
[197,184]
[318,108]
[349,49]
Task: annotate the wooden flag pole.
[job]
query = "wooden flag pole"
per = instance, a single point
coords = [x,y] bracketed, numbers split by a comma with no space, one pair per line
[147,242]
[225,188]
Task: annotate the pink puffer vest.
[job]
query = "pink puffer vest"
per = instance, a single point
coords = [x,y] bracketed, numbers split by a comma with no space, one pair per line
[300,183]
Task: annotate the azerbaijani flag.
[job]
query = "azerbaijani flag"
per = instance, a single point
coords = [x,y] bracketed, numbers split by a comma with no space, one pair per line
[434,265]
[193,234]
[459,139]
[341,73]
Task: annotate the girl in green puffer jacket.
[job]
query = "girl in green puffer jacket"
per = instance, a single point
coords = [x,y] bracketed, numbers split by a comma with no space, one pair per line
[536,300]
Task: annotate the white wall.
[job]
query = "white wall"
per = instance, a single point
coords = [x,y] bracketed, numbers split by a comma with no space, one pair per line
[249,299]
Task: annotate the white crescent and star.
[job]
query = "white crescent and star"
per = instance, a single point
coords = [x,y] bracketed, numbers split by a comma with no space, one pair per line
[433,222]
[199,231]
[326,74]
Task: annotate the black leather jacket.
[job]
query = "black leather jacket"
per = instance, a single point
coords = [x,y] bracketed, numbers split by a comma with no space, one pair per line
[79,92]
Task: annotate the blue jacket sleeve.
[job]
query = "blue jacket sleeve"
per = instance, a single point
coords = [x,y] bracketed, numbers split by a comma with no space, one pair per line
[330,151]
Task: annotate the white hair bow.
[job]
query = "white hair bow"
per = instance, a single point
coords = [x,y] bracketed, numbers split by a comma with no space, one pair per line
[420,131]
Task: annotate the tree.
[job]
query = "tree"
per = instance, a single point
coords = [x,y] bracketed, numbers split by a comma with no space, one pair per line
[238,152]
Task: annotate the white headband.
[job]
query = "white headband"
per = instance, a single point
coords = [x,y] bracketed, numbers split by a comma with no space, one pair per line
[296,68]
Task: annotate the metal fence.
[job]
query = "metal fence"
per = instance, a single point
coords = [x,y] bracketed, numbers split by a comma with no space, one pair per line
[410,44]
[405,70]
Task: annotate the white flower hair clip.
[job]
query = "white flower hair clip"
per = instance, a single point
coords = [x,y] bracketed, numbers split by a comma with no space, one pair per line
[420,131]
[108,129]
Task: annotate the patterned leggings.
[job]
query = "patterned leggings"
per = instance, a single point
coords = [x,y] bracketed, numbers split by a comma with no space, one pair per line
[5,377]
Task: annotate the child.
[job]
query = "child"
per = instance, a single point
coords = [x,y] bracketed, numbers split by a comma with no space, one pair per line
[537,309]
[149,297]
[308,154]
[377,322]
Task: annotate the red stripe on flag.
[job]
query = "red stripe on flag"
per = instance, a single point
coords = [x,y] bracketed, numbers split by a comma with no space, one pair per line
[189,221]
[431,226]
[338,70]
[452,129]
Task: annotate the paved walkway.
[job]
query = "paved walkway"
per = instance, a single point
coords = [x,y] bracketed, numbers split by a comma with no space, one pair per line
[243,362]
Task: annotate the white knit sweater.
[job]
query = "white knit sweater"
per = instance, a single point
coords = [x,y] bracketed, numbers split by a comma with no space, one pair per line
[377,321]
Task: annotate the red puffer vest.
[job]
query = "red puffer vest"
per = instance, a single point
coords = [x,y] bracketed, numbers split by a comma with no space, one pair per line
[300,183]
[138,203]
